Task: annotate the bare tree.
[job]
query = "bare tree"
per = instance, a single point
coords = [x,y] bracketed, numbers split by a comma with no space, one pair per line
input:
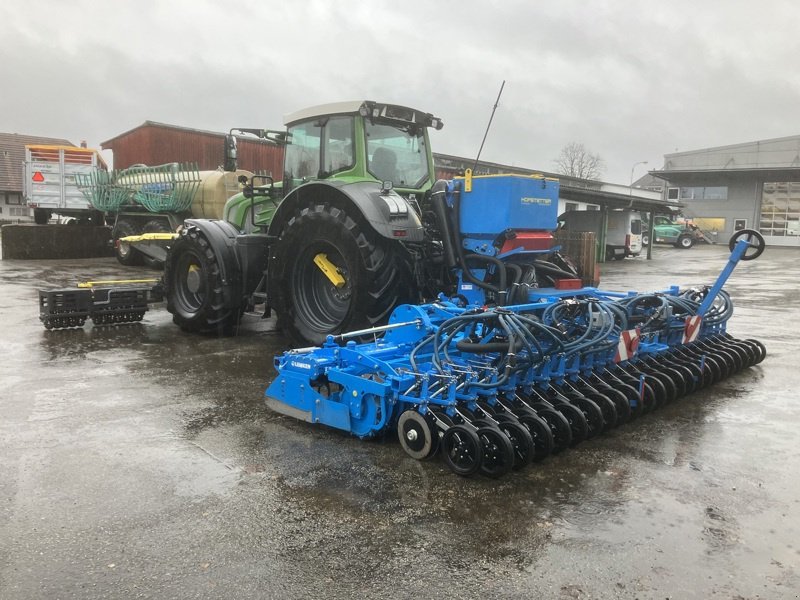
[576,161]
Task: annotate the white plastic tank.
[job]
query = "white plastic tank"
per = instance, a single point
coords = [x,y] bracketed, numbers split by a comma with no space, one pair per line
[215,189]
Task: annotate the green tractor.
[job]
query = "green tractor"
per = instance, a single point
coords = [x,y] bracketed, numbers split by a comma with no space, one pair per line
[332,247]
[680,234]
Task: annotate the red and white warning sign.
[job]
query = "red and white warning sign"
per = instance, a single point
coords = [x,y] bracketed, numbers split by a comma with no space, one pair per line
[628,345]
[691,330]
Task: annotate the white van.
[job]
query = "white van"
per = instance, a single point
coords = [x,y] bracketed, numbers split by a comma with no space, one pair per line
[623,231]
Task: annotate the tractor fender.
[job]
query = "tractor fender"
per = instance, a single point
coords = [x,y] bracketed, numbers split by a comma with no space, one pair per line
[387,212]
[221,235]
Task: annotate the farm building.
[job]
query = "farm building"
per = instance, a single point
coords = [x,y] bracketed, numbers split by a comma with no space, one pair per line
[154,143]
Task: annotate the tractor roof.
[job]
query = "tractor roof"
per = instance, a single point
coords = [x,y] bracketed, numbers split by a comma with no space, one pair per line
[377,109]
[321,110]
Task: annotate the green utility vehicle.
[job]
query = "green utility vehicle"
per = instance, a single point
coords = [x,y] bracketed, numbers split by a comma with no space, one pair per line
[681,234]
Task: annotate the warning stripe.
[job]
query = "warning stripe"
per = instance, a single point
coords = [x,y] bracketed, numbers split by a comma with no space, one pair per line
[691,330]
[628,345]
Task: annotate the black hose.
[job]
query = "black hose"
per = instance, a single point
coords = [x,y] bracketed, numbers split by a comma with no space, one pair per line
[440,208]
[499,289]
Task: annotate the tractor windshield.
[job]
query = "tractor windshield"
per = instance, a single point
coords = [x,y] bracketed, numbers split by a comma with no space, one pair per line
[397,154]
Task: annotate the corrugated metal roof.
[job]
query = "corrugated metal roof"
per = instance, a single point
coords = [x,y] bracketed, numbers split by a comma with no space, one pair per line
[12,157]
[776,153]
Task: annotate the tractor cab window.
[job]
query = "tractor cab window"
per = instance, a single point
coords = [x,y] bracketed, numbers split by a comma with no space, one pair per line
[302,153]
[337,151]
[397,154]
[319,149]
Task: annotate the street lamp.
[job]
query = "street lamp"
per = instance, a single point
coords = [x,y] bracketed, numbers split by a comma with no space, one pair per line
[633,168]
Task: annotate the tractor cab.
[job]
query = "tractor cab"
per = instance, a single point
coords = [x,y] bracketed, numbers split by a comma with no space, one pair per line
[347,142]
[357,141]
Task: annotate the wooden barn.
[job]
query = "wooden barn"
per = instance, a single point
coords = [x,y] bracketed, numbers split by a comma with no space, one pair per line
[154,143]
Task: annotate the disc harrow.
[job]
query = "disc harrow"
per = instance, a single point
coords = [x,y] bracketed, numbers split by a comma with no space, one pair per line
[494,389]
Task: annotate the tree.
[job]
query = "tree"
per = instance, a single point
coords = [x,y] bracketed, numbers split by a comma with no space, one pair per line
[576,161]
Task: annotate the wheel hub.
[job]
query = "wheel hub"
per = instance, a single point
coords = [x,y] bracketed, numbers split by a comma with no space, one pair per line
[193,279]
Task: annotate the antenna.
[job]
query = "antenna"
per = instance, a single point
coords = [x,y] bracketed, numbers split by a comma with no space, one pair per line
[496,102]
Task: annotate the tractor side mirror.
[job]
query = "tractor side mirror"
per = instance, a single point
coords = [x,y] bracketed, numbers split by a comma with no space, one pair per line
[231,163]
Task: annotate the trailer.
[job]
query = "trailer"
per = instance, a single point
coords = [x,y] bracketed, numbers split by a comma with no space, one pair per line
[50,176]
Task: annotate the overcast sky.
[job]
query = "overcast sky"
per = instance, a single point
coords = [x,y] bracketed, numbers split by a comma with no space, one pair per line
[630,80]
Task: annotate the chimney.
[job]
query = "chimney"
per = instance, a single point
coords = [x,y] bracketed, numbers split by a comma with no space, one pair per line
[83,144]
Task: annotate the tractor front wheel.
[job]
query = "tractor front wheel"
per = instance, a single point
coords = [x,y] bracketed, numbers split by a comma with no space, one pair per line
[329,274]
[194,287]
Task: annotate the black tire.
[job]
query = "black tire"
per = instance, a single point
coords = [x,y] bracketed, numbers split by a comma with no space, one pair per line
[498,452]
[521,442]
[377,275]
[194,287]
[645,240]
[577,421]
[41,216]
[125,253]
[684,242]
[543,442]
[462,450]
[560,428]
[154,226]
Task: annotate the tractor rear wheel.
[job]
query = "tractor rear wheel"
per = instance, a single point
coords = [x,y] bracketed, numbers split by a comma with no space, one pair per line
[329,274]
[194,287]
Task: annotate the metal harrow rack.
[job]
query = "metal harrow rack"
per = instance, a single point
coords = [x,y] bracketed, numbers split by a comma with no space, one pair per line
[125,302]
[164,188]
[495,389]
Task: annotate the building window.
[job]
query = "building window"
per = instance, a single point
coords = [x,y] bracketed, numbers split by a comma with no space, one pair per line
[673,193]
[568,206]
[704,193]
[13,198]
[592,207]
[780,209]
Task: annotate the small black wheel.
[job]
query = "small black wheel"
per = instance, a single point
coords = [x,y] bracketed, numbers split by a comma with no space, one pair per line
[126,254]
[416,435]
[521,441]
[760,348]
[462,450]
[542,436]
[754,238]
[684,242]
[560,428]
[577,421]
[498,452]
[593,414]
[606,406]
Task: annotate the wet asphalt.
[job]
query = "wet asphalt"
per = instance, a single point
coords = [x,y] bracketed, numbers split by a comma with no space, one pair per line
[140,462]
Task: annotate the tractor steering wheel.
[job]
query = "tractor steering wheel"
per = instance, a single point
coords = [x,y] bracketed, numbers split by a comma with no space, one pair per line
[754,238]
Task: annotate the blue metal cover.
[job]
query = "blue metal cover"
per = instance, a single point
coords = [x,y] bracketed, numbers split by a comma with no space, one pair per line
[500,202]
